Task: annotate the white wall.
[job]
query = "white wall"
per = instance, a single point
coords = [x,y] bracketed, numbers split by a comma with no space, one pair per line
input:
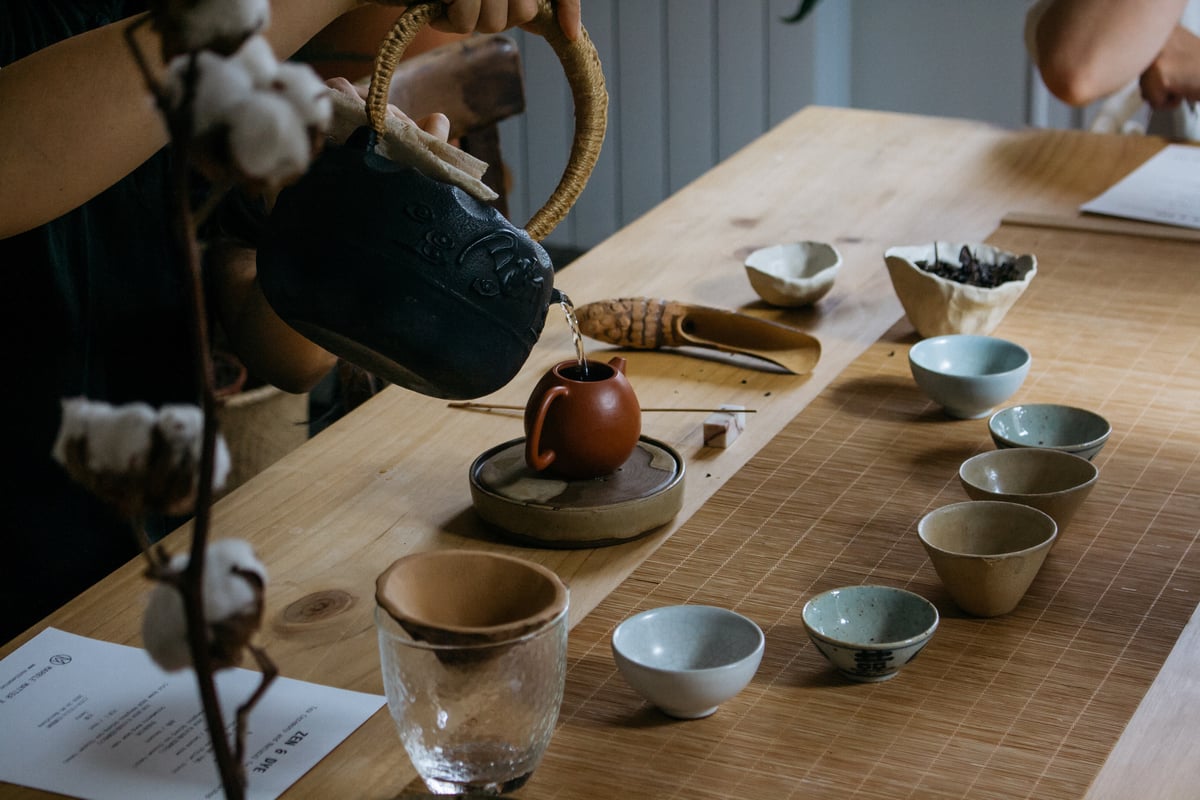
[692,81]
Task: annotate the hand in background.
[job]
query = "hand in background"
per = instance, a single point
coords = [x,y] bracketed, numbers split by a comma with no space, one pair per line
[493,16]
[1174,75]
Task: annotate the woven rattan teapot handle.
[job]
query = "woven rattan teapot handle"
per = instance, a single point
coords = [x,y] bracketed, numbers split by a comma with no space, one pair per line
[582,66]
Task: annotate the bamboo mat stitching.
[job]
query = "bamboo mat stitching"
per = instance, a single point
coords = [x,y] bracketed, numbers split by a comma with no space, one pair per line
[1060,769]
[1137,629]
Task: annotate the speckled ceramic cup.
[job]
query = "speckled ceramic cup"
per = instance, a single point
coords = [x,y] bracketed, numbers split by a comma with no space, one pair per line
[869,632]
[1073,430]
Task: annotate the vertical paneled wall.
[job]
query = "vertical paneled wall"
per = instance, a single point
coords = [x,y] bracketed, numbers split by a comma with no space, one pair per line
[692,81]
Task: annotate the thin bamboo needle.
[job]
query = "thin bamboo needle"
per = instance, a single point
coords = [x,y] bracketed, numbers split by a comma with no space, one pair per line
[501,407]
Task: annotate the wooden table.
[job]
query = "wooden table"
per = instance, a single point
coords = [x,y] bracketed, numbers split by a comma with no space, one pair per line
[391,478]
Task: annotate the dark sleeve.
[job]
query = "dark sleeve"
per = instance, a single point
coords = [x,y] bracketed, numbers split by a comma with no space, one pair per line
[236,221]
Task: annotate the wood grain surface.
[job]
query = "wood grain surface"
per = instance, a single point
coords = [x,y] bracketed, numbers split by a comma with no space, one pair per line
[391,478]
[1027,705]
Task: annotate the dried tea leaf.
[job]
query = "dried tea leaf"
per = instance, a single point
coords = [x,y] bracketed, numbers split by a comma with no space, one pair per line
[970,270]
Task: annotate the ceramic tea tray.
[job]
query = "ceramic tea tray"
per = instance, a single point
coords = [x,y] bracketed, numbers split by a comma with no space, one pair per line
[646,492]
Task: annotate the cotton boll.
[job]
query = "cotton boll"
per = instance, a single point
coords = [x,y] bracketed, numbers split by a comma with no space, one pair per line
[221,84]
[215,24]
[233,600]
[117,438]
[259,60]
[171,481]
[135,458]
[164,628]
[182,427]
[222,463]
[268,140]
[226,592]
[307,93]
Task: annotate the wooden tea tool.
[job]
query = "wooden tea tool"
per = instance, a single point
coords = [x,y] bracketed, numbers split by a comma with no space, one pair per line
[645,323]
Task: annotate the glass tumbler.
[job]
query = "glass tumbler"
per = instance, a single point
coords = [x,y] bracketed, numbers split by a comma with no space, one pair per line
[474,717]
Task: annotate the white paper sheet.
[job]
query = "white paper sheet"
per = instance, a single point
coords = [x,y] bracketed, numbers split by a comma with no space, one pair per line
[101,721]
[1165,189]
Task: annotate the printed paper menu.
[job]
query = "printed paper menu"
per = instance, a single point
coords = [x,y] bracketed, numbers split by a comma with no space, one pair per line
[1165,189]
[101,721]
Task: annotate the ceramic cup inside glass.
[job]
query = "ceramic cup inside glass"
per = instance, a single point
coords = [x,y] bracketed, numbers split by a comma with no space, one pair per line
[474,718]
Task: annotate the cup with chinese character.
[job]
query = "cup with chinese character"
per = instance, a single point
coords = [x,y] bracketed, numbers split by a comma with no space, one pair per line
[473,651]
[869,632]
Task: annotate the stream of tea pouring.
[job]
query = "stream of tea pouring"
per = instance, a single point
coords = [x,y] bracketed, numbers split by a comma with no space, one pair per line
[576,335]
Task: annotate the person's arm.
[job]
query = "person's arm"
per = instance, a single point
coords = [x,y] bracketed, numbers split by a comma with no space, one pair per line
[270,348]
[86,120]
[78,117]
[1087,49]
[1174,75]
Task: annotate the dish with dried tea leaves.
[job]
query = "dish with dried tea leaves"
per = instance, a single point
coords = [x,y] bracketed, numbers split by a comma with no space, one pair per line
[957,287]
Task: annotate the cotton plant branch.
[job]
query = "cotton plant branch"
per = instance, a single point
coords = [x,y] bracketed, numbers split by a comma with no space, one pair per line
[239,117]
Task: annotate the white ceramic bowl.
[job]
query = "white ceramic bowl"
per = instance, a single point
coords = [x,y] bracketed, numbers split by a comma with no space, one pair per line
[987,553]
[937,306]
[1057,427]
[796,274]
[1049,480]
[968,375]
[688,659]
[869,632]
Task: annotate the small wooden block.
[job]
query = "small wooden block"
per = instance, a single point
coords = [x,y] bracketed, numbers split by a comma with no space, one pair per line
[722,427]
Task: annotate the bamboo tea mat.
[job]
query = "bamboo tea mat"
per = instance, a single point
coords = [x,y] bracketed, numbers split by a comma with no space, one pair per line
[1022,706]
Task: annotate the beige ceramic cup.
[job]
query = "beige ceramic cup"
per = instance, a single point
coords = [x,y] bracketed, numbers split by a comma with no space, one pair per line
[473,651]
[1049,480]
[987,552]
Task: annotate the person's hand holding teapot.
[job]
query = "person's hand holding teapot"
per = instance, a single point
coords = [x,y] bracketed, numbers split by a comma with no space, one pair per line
[472,16]
[435,124]
[388,259]
[493,16]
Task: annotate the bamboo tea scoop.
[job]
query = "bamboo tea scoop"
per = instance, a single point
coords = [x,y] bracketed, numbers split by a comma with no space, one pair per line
[645,323]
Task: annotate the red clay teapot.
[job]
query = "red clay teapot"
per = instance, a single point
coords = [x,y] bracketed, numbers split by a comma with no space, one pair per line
[582,424]
[409,277]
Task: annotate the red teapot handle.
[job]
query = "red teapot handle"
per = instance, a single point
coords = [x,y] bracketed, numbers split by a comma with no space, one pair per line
[584,75]
[535,457]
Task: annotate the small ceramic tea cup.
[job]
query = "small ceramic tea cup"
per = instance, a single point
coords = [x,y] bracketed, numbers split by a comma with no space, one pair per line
[473,650]
[688,659]
[869,632]
[987,552]
[1049,480]
[582,420]
[968,375]
[795,274]
[1057,427]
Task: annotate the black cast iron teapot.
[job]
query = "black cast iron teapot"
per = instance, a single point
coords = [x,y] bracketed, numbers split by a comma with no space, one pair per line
[411,278]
